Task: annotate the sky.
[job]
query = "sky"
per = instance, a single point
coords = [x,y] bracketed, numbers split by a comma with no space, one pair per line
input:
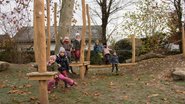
[77,14]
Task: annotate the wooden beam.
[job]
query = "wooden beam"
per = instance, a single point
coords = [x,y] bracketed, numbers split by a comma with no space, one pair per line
[90,34]
[48,31]
[82,68]
[133,49]
[41,76]
[108,66]
[39,32]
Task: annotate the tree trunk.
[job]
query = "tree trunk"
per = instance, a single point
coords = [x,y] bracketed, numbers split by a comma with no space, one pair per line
[66,14]
[104,21]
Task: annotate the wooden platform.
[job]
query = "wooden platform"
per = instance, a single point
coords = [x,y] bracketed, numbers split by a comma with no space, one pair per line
[109,65]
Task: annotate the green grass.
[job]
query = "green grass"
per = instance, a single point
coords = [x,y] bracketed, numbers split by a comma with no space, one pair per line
[99,87]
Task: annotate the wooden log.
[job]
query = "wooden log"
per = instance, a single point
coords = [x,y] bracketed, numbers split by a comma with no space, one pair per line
[48,31]
[79,64]
[55,30]
[133,49]
[82,68]
[90,34]
[108,66]
[39,32]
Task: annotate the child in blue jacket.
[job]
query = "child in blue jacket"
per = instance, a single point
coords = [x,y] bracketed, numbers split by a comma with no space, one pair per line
[114,61]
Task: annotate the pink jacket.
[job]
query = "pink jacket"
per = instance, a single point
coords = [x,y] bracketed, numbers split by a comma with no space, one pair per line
[106,50]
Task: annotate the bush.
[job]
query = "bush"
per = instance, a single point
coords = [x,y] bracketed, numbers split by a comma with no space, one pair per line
[17,57]
[95,58]
[123,49]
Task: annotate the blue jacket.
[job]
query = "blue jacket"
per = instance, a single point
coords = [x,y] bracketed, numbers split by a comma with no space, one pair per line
[114,59]
[98,48]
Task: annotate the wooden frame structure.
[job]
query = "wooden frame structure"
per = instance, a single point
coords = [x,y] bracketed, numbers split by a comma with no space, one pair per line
[86,64]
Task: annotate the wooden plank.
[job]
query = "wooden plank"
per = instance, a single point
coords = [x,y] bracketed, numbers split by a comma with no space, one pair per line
[75,64]
[108,66]
[79,64]
[41,76]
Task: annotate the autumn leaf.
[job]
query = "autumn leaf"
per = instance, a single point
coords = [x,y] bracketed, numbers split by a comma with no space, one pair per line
[153,95]
[125,97]
[2,86]
[97,94]
[179,91]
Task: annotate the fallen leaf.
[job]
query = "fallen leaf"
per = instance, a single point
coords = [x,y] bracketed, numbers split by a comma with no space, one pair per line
[97,94]
[125,97]
[153,95]
[2,86]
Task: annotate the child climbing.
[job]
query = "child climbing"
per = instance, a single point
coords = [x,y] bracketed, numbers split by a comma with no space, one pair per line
[68,48]
[98,49]
[76,47]
[52,66]
[106,51]
[63,65]
[63,62]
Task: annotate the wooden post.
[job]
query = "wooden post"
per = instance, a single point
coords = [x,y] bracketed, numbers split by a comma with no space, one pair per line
[48,31]
[35,38]
[133,48]
[39,32]
[183,40]
[55,29]
[90,34]
[82,68]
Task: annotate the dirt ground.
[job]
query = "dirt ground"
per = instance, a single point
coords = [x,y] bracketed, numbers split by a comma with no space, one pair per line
[148,82]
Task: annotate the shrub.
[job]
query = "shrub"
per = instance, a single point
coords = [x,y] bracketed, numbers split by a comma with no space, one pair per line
[123,49]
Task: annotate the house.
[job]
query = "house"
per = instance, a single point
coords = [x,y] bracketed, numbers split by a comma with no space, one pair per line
[25,37]
[4,40]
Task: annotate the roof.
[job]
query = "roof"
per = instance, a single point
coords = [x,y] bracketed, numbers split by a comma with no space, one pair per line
[26,33]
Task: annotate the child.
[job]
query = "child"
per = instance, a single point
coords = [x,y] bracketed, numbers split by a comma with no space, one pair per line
[52,66]
[68,47]
[115,61]
[63,65]
[106,51]
[76,47]
[62,60]
[98,49]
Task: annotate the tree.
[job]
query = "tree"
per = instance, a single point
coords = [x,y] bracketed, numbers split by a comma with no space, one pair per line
[14,15]
[108,8]
[66,13]
[149,19]
[174,21]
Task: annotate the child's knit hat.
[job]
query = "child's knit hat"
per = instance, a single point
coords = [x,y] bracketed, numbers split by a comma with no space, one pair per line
[77,34]
[61,49]
[66,38]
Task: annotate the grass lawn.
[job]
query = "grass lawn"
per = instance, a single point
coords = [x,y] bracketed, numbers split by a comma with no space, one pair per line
[140,84]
